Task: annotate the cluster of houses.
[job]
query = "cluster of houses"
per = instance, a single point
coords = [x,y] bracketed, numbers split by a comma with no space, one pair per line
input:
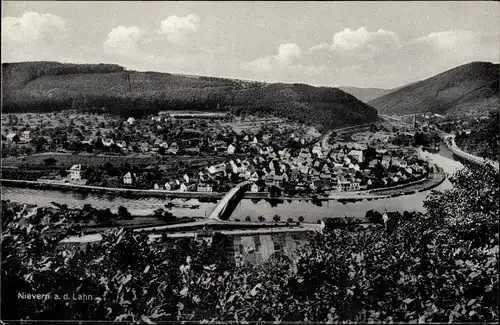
[308,170]
[22,137]
[74,177]
[157,135]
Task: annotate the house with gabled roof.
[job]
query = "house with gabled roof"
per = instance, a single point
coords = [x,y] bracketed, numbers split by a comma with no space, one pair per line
[128,178]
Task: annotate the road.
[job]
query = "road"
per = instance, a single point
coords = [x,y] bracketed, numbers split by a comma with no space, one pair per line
[449,140]
[236,232]
[450,143]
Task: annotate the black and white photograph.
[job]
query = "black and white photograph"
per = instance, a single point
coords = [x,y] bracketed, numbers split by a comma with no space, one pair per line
[270,162]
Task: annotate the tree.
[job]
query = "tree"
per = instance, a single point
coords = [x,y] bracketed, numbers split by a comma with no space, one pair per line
[374,217]
[276,218]
[301,219]
[275,191]
[49,161]
[262,219]
[123,213]
[248,219]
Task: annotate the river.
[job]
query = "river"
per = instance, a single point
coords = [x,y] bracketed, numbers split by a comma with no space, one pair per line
[247,207]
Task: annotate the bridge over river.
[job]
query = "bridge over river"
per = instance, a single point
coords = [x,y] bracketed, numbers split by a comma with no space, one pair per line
[221,208]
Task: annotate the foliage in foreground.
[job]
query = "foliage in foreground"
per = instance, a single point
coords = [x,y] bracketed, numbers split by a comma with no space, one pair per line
[435,267]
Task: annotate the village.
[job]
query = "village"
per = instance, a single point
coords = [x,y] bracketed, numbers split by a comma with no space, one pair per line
[278,159]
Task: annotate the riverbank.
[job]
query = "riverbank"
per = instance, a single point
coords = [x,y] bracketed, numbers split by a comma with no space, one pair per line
[430,182]
[450,143]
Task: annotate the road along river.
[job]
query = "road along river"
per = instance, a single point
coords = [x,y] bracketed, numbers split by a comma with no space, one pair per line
[247,207]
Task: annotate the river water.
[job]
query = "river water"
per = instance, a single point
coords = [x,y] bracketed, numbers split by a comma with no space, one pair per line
[247,207]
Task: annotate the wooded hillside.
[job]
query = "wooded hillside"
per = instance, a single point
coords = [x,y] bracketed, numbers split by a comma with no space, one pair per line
[52,86]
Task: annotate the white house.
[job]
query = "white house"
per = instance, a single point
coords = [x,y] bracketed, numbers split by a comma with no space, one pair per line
[317,150]
[246,138]
[231,149]
[130,120]
[254,188]
[25,136]
[121,144]
[356,154]
[386,161]
[156,187]
[186,178]
[11,136]
[255,141]
[75,172]
[168,187]
[107,142]
[127,179]
[254,177]
[217,168]
[183,188]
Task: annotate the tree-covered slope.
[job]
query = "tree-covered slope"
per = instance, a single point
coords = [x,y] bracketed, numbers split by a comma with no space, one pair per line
[468,89]
[483,141]
[46,86]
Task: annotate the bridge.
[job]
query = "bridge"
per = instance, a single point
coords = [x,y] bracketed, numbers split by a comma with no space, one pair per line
[223,203]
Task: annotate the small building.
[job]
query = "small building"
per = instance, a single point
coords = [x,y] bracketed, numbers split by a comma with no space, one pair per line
[144,147]
[130,121]
[219,168]
[231,149]
[107,142]
[386,161]
[89,141]
[183,187]
[186,178]
[11,136]
[318,150]
[173,149]
[75,172]
[128,178]
[254,188]
[168,186]
[204,188]
[25,136]
[357,155]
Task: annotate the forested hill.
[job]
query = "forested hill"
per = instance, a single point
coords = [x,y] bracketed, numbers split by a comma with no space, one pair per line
[468,89]
[484,140]
[48,86]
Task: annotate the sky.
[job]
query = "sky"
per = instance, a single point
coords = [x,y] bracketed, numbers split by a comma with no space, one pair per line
[360,44]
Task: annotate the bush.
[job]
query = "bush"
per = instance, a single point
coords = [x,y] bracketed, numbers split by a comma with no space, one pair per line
[374,217]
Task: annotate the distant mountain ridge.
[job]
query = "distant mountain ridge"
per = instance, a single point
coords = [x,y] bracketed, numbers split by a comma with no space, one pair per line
[366,94]
[468,89]
[49,86]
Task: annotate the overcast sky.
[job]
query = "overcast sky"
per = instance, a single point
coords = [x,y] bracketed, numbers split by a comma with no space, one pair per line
[362,44]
